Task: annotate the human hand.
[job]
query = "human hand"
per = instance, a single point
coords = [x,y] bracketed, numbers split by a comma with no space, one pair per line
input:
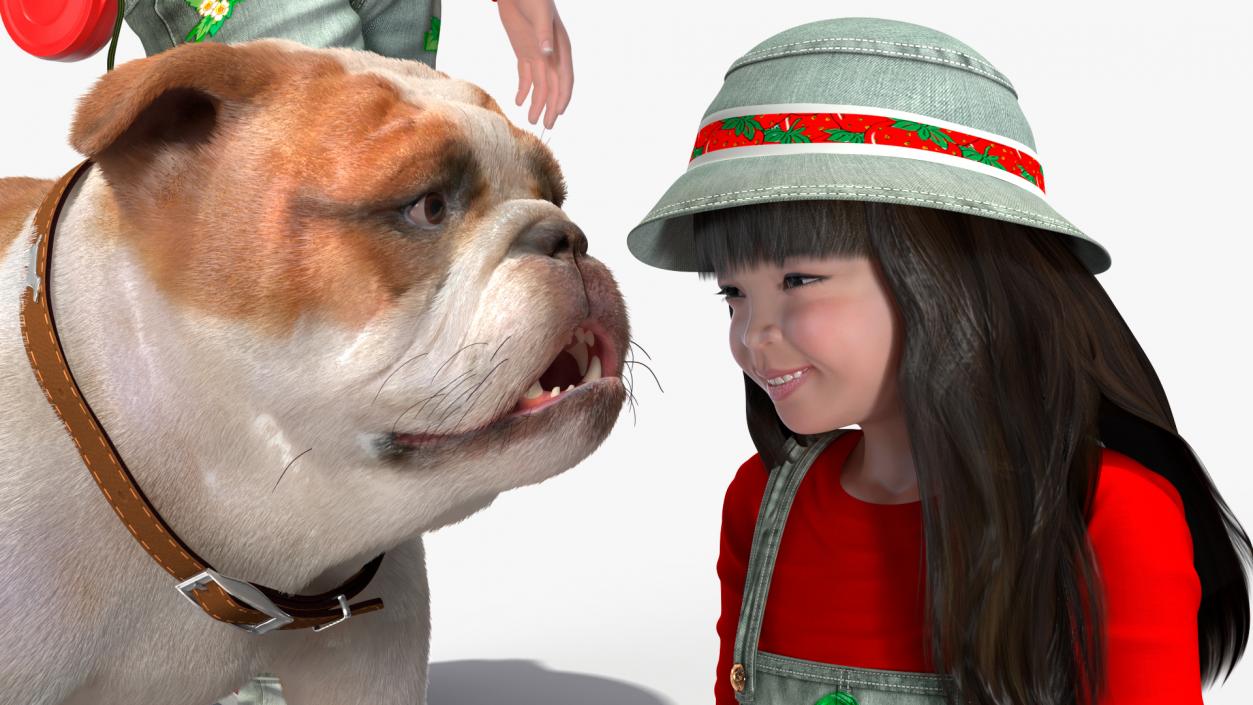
[540,41]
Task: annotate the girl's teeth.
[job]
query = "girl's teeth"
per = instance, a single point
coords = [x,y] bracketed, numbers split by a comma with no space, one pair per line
[785,378]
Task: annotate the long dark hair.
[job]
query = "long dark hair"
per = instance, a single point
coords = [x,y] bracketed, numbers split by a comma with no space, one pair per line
[1016,369]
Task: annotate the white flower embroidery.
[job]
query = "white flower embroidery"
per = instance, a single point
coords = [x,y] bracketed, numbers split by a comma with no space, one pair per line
[206,7]
[219,10]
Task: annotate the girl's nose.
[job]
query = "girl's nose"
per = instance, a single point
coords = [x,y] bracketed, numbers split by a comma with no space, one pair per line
[761,332]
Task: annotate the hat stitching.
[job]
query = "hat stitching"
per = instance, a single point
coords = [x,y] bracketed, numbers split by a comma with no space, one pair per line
[671,208]
[881,52]
[975,59]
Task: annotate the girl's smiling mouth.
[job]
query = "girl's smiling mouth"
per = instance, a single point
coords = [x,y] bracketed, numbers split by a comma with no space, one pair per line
[782,386]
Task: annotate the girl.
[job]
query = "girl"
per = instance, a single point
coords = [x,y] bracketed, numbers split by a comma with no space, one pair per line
[1017,519]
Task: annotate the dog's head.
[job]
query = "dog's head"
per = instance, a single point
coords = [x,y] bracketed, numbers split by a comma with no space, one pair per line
[362,263]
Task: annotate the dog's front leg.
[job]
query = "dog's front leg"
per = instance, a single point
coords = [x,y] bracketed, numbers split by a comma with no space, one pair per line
[377,659]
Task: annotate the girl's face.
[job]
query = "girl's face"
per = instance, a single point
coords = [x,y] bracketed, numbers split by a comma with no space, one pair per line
[833,319]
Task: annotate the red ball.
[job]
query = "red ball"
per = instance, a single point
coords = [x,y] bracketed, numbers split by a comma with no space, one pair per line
[60,30]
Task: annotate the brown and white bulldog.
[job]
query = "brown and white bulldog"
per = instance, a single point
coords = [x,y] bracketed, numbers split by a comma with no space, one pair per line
[321,301]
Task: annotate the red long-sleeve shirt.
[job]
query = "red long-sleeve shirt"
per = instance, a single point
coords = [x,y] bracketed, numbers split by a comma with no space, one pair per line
[847,586]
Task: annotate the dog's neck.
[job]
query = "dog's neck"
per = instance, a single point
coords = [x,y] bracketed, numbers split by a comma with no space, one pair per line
[157,397]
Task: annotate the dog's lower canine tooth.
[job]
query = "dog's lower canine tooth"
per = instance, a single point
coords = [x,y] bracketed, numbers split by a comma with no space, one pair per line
[535,390]
[556,391]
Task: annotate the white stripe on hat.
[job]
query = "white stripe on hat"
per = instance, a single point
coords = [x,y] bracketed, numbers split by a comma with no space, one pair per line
[882,150]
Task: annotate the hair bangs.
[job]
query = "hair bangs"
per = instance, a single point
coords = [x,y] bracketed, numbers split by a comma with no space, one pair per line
[731,239]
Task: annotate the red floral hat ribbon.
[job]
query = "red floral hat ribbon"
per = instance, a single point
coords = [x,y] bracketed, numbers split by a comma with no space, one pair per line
[761,130]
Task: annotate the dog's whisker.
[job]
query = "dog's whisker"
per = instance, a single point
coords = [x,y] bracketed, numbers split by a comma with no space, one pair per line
[650,371]
[289,464]
[498,347]
[406,362]
[641,347]
[450,357]
[448,396]
[424,401]
[630,385]
[468,405]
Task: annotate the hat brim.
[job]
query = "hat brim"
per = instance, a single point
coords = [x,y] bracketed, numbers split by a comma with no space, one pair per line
[664,238]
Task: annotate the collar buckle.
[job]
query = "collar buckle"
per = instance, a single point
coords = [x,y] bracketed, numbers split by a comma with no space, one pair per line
[245,593]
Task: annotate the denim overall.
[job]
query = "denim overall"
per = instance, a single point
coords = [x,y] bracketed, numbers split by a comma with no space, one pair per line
[401,29]
[762,678]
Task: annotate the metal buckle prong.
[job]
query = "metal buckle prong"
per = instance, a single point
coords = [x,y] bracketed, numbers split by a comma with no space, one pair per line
[343,605]
[32,271]
[242,591]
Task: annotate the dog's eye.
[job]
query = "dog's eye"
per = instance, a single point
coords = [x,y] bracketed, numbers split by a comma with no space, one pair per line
[428,211]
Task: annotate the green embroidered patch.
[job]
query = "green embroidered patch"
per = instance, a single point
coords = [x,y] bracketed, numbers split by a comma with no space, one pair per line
[839,697]
[212,14]
[431,39]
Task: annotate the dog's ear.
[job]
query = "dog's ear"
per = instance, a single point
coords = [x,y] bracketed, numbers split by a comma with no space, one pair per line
[174,97]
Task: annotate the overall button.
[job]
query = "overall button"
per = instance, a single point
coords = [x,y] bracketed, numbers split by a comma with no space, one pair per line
[839,697]
[738,677]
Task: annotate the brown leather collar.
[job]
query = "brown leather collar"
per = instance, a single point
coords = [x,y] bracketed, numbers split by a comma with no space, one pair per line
[255,608]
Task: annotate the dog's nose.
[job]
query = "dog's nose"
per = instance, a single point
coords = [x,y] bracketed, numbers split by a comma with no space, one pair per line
[550,237]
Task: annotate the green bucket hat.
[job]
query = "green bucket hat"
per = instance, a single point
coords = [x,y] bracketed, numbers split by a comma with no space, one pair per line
[861,109]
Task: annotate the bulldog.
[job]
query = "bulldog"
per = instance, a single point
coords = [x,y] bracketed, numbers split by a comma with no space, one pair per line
[321,302]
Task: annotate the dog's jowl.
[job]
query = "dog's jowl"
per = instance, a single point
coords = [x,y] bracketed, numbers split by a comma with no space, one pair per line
[295,309]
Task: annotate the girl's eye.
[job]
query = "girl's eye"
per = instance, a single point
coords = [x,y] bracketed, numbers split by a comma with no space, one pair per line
[799,276]
[428,211]
[730,292]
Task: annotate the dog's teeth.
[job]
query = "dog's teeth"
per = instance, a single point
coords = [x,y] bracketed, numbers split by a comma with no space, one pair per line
[570,387]
[593,370]
[556,391]
[591,339]
[535,390]
[579,353]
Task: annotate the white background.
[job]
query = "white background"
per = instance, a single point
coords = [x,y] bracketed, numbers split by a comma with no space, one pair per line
[1141,118]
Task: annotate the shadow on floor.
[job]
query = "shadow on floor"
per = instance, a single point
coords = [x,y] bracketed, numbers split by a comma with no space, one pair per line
[520,682]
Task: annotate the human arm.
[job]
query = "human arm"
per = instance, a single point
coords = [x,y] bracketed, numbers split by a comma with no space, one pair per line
[540,41]
[1143,549]
[739,518]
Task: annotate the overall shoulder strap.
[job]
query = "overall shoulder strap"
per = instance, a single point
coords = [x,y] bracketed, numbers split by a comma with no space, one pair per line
[771,519]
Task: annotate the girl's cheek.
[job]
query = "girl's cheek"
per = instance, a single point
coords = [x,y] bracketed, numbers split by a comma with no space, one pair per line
[735,339]
[819,328]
